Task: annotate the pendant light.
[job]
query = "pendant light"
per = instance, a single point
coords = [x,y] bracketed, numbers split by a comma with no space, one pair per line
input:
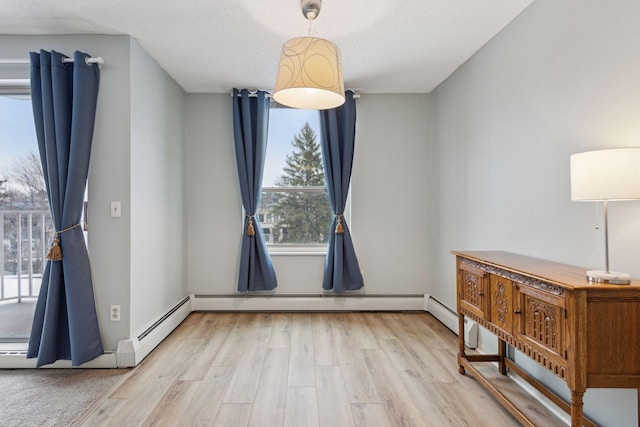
[310,69]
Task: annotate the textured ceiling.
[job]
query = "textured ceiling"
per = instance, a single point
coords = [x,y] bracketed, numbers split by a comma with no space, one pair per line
[388,46]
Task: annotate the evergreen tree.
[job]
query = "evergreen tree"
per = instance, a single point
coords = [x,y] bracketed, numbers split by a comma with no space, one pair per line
[303,217]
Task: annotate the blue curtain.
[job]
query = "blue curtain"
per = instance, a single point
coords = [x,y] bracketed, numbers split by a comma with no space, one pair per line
[338,129]
[250,123]
[64,96]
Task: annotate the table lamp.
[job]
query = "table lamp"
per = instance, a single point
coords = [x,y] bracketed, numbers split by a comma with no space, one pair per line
[606,175]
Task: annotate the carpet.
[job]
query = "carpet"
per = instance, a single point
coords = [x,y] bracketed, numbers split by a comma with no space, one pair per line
[52,397]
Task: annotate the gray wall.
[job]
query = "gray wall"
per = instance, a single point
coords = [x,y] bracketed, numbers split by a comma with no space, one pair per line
[158,220]
[214,208]
[388,201]
[134,116]
[563,78]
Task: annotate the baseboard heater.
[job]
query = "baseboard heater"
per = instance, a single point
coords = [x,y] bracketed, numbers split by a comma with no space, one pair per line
[130,352]
[308,302]
[448,317]
[163,318]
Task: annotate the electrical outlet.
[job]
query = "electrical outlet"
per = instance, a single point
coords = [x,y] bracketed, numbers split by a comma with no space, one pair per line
[114,315]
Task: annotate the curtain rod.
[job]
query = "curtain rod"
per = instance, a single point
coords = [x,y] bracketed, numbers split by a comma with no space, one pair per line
[91,60]
[253,94]
[269,95]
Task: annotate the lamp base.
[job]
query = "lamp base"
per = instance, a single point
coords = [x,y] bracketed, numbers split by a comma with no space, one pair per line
[610,277]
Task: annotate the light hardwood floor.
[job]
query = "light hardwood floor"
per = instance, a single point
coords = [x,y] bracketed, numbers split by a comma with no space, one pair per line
[303,370]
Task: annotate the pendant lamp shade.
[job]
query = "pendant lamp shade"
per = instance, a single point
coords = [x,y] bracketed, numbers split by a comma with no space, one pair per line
[309,74]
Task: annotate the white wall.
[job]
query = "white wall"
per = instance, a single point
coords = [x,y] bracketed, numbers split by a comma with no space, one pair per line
[564,77]
[388,201]
[158,221]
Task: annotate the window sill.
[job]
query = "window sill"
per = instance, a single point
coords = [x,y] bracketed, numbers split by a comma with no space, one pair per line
[297,251]
[290,253]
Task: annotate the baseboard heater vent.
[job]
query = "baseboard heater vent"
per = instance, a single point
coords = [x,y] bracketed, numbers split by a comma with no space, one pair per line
[308,302]
[132,351]
[449,318]
[326,295]
[163,318]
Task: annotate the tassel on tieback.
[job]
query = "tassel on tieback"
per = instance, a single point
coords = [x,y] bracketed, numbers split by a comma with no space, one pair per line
[251,231]
[339,227]
[55,251]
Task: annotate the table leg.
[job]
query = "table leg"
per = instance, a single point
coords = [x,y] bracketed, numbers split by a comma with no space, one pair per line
[461,354]
[502,354]
[576,408]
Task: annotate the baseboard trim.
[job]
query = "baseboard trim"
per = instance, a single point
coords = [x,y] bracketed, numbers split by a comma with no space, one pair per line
[448,317]
[413,302]
[130,352]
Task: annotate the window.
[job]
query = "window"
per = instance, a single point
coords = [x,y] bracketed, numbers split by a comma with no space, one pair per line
[25,221]
[294,201]
[26,227]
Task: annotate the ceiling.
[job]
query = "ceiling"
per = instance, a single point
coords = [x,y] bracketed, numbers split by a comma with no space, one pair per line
[388,46]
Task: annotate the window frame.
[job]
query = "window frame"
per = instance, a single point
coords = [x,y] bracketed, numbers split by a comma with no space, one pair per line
[279,249]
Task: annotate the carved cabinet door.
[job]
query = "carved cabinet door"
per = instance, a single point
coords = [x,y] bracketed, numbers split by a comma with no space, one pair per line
[541,320]
[472,291]
[501,294]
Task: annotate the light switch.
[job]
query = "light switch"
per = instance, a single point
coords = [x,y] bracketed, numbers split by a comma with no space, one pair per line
[116,210]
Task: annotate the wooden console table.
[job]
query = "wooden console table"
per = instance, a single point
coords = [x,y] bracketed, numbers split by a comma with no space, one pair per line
[587,334]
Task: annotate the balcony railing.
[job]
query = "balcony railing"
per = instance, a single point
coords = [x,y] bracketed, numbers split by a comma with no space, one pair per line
[25,237]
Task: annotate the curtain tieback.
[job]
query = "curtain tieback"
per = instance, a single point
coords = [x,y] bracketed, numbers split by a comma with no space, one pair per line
[251,231]
[55,251]
[339,227]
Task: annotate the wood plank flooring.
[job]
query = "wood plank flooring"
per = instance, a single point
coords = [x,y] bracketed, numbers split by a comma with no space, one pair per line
[304,370]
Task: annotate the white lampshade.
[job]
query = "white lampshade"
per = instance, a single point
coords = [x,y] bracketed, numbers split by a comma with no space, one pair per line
[612,174]
[309,74]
